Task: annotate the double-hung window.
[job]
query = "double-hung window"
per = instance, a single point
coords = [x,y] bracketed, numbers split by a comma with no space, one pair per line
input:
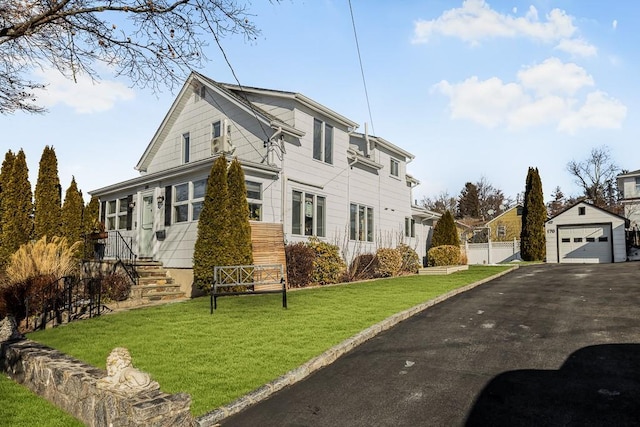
[308,214]
[394,167]
[409,227]
[322,141]
[188,199]
[186,147]
[637,185]
[360,222]
[254,199]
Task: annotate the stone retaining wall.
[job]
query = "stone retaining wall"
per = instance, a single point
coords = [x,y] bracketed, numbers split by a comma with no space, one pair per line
[72,386]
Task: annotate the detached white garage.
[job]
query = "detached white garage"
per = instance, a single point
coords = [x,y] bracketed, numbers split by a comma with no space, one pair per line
[584,234]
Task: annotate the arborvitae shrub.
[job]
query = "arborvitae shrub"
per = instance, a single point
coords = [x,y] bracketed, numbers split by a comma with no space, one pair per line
[444,255]
[534,215]
[410,259]
[300,259]
[363,267]
[72,212]
[239,228]
[47,203]
[389,262]
[328,265]
[445,232]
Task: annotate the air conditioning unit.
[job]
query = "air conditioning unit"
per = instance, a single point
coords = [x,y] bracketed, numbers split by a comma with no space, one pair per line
[222,144]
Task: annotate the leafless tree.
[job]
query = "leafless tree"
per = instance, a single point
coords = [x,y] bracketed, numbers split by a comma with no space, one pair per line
[152,42]
[441,203]
[596,176]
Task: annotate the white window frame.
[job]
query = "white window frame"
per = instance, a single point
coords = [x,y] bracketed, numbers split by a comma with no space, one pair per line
[254,200]
[313,206]
[361,222]
[190,202]
[116,214]
[186,147]
[394,167]
[409,227]
[216,129]
[323,141]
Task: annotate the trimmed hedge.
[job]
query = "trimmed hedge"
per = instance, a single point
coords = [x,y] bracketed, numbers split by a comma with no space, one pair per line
[444,255]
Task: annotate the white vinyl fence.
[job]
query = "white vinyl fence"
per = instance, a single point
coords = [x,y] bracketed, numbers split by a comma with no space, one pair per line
[492,252]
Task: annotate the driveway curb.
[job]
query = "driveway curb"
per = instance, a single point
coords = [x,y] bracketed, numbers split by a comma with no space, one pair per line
[329,356]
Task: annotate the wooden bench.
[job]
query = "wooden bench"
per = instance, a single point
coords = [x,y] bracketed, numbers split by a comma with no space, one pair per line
[248,280]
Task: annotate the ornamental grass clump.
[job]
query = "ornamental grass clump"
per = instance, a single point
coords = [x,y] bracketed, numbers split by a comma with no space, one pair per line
[45,257]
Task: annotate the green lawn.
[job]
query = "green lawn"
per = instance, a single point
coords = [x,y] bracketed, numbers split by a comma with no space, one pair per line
[22,408]
[249,340]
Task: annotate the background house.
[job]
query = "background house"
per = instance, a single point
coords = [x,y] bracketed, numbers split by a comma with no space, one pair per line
[306,168]
[629,188]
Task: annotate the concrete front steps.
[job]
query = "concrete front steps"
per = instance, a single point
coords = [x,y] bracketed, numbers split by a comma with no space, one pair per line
[442,270]
[154,284]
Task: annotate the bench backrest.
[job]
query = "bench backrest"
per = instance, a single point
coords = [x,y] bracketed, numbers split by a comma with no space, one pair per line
[260,277]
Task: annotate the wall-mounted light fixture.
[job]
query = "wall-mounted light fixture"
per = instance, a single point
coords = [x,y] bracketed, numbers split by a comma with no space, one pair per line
[132,205]
[160,201]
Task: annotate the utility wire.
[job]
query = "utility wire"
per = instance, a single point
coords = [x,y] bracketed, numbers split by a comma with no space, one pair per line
[364,82]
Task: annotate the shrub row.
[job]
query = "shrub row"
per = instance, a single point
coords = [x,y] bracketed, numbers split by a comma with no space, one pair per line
[319,263]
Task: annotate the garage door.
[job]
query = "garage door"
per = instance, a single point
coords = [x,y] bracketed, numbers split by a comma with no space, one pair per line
[585,244]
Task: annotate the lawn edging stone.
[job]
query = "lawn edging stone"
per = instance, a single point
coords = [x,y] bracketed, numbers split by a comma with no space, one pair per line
[331,355]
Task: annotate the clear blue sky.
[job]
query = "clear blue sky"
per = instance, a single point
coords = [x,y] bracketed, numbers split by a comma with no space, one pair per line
[474,88]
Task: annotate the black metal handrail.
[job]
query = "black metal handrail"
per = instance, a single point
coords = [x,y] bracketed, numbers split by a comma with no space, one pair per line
[117,247]
[63,300]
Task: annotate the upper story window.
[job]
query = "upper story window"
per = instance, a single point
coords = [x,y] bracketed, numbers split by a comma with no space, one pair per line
[582,210]
[637,184]
[360,222]
[254,196]
[394,167]
[186,147]
[308,214]
[216,129]
[322,141]
[188,199]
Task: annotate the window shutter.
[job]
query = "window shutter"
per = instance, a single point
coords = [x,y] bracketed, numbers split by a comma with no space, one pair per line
[129,211]
[167,205]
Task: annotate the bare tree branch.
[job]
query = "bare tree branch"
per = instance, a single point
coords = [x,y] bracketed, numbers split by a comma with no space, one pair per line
[154,43]
[595,175]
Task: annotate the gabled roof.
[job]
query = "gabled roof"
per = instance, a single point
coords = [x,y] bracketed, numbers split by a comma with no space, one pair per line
[591,205]
[504,213]
[385,144]
[195,79]
[308,102]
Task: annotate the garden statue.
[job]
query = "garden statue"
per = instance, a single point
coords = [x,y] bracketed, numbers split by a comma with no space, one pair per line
[123,378]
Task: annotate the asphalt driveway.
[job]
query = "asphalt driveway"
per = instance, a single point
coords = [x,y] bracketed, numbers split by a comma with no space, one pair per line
[543,345]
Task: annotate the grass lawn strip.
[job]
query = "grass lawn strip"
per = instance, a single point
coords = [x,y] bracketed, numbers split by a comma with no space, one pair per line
[250,341]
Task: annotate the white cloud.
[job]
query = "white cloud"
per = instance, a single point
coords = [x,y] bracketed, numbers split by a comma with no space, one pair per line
[554,76]
[614,24]
[83,95]
[577,47]
[486,102]
[476,21]
[543,95]
[599,111]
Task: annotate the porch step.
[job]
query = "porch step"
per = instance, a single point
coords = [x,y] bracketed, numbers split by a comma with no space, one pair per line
[154,284]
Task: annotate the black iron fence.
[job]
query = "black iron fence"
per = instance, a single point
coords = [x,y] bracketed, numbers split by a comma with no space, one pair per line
[64,300]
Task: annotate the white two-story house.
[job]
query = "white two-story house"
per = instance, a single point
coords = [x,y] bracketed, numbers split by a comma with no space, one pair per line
[629,188]
[305,165]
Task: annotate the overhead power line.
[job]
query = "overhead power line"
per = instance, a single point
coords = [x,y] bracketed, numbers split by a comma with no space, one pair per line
[364,82]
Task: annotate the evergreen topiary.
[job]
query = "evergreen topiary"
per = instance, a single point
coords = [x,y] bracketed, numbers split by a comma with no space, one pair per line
[90,223]
[445,232]
[17,205]
[534,215]
[47,208]
[212,247]
[239,228]
[72,212]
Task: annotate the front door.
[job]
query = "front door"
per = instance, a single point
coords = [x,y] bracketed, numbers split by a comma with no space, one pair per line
[146,232]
